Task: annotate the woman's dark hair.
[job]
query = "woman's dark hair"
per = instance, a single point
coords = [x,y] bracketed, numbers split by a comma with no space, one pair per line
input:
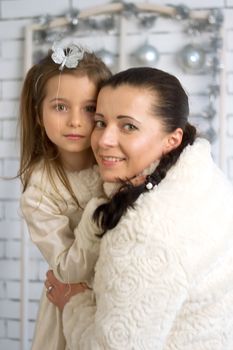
[171,107]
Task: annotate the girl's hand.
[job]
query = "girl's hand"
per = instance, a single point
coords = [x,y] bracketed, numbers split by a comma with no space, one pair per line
[60,293]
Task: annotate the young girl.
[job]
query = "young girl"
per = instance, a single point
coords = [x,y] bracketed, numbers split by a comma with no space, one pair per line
[57,170]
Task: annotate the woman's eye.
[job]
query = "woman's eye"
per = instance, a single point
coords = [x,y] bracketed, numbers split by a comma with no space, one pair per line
[99,124]
[130,127]
[90,109]
[61,107]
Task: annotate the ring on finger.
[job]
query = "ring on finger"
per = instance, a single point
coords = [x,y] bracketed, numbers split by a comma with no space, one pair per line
[49,289]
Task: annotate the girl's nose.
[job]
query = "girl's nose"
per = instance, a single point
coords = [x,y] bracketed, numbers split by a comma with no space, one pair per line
[75,119]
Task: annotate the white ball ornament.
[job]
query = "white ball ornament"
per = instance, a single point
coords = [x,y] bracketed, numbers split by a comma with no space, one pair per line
[108,57]
[192,58]
[146,54]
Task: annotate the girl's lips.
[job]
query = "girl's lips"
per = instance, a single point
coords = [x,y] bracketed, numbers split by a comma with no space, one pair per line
[74,136]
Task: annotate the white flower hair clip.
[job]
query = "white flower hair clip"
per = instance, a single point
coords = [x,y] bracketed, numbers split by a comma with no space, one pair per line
[67,57]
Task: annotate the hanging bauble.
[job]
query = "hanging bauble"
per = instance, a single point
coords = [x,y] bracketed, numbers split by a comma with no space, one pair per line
[38,56]
[108,57]
[54,35]
[216,18]
[181,12]
[192,58]
[213,63]
[146,54]
[72,19]
[147,22]
[210,134]
[129,10]
[39,36]
[209,112]
[44,20]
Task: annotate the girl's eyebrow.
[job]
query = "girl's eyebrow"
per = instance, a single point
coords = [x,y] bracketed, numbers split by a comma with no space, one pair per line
[65,100]
[58,99]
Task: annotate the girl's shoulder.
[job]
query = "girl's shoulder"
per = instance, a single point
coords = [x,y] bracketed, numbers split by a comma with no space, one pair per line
[86,183]
[39,174]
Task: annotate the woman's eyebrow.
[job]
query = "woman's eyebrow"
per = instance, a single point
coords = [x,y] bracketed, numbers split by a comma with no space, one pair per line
[119,117]
[128,117]
[99,115]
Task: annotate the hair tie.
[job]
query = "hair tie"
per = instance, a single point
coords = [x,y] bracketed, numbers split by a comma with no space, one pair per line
[150,183]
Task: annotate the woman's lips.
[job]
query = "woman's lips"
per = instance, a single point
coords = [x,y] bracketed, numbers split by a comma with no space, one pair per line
[110,160]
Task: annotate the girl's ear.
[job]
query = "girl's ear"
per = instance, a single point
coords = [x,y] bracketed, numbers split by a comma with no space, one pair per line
[39,120]
[174,139]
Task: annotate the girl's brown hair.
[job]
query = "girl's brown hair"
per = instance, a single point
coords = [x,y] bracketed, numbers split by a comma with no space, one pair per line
[34,143]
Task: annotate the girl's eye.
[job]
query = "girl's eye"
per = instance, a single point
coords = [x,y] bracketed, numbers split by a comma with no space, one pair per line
[129,127]
[90,109]
[99,124]
[61,107]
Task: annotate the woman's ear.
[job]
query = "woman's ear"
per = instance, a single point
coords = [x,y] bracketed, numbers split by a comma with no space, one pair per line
[174,139]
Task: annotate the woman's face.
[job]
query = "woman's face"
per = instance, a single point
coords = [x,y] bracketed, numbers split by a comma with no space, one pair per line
[127,138]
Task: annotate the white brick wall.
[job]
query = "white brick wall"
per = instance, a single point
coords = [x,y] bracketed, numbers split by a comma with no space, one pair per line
[14,16]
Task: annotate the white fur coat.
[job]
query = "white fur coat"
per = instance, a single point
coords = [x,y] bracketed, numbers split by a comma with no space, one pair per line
[164,277]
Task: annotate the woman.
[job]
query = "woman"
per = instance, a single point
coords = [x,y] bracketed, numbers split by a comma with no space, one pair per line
[164,276]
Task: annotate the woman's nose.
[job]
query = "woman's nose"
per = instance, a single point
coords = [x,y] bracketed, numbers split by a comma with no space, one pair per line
[109,137]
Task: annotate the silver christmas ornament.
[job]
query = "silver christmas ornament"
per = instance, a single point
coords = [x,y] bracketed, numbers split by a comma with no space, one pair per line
[216,17]
[146,54]
[182,12]
[39,36]
[211,134]
[44,20]
[72,18]
[192,58]
[38,56]
[108,57]
[147,22]
[129,10]
[209,112]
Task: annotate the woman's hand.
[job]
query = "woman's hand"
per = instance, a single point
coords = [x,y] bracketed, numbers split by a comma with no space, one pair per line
[60,293]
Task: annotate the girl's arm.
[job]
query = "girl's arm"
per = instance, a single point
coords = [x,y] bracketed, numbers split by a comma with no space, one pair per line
[80,258]
[65,251]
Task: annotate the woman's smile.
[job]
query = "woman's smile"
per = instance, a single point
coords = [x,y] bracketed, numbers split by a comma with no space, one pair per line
[126,138]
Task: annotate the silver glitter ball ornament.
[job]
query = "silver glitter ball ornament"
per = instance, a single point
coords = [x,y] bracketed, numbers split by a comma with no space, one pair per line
[107,57]
[192,58]
[146,54]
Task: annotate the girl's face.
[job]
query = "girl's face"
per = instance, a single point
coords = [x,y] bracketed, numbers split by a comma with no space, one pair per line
[68,110]
[127,138]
